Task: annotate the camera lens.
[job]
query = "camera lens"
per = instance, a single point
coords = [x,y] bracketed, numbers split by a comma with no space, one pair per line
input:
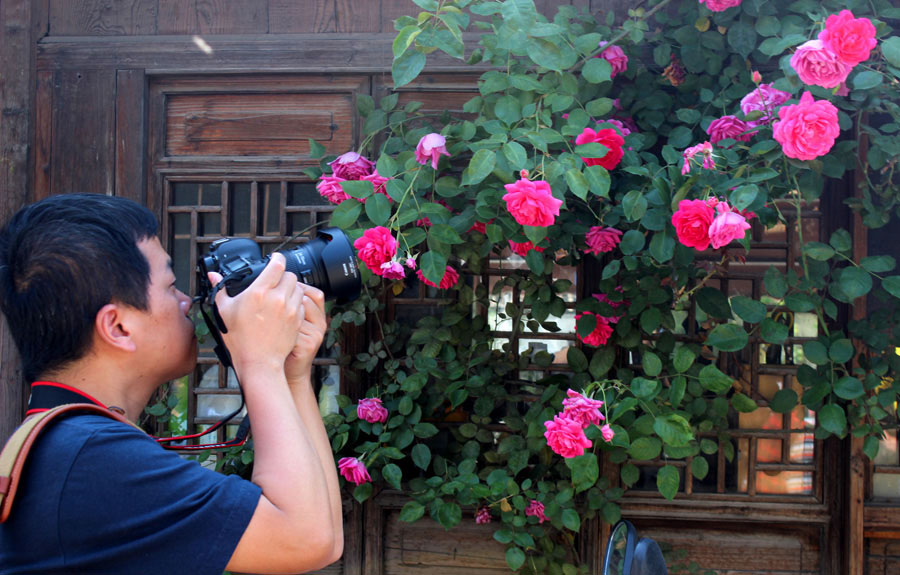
[327,262]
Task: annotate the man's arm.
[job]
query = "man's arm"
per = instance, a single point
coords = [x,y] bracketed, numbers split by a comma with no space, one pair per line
[291,530]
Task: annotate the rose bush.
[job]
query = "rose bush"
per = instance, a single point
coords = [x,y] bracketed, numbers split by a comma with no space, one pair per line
[697,122]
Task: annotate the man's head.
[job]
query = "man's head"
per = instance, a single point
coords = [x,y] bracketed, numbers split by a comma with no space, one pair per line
[62,260]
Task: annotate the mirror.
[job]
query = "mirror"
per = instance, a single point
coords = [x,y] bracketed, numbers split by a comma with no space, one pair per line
[628,555]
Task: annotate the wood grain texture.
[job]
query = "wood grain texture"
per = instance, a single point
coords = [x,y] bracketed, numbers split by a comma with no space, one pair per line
[356,16]
[301,16]
[204,17]
[131,135]
[43,132]
[102,17]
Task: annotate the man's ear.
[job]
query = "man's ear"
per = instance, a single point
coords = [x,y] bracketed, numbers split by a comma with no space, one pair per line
[112,327]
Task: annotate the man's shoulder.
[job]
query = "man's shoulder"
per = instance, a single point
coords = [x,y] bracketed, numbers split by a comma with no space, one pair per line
[74,430]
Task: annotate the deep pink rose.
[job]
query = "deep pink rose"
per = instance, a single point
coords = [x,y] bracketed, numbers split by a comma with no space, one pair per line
[393,270]
[371,410]
[329,187]
[479,227]
[692,221]
[536,509]
[375,247]
[728,127]
[705,150]
[607,432]
[531,203]
[851,39]
[602,331]
[583,409]
[729,225]
[624,129]
[353,470]
[351,166]
[601,240]
[806,130]
[566,437]
[523,248]
[483,515]
[763,98]
[411,262]
[451,276]
[818,66]
[378,182]
[616,58]
[431,147]
[720,5]
[609,138]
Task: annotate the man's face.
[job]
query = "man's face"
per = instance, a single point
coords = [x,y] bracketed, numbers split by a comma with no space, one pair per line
[166,337]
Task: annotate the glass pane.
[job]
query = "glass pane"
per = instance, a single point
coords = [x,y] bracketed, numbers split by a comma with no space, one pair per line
[181,264]
[887,449]
[185,193]
[784,482]
[566,323]
[298,222]
[211,194]
[329,378]
[305,194]
[240,209]
[271,203]
[768,450]
[210,224]
[886,485]
[181,224]
[558,348]
[218,405]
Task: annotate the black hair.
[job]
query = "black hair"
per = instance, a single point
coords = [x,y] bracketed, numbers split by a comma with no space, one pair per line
[61,260]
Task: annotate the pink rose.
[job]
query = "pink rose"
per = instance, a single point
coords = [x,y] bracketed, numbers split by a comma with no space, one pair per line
[431,147]
[483,516]
[728,225]
[536,509]
[451,276]
[411,262]
[601,240]
[376,246]
[583,409]
[353,470]
[378,182]
[531,203]
[616,58]
[523,248]
[850,39]
[609,138]
[705,150]
[764,98]
[371,410]
[602,331]
[351,166]
[329,187]
[566,437]
[393,270]
[692,221]
[756,77]
[818,66]
[602,297]
[728,127]
[720,5]
[623,128]
[806,130]
[607,433]
[479,227]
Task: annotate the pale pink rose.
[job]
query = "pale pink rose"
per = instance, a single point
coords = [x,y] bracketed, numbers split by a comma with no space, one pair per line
[531,203]
[378,182]
[756,77]
[602,331]
[329,187]
[351,166]
[353,470]
[763,98]
[607,137]
[842,90]
[431,147]
[393,270]
[616,58]
[850,39]
[808,129]
[720,5]
[728,127]
[523,248]
[536,509]
[818,66]
[583,409]
[375,247]
[705,150]
[371,410]
[451,276]
[607,432]
[566,437]
[692,220]
[601,240]
[483,515]
[729,225]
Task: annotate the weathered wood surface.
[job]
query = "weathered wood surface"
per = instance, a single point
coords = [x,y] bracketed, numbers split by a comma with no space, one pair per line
[131,135]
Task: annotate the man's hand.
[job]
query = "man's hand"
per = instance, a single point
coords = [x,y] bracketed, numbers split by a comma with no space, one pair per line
[298,365]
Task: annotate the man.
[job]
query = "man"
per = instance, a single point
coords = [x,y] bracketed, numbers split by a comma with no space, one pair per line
[90,297]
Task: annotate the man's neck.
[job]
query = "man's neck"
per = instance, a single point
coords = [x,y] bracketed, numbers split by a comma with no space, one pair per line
[105,385]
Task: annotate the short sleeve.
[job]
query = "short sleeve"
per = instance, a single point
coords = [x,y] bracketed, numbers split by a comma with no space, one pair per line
[131,505]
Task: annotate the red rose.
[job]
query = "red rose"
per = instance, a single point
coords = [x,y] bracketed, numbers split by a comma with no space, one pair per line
[692,221]
[609,138]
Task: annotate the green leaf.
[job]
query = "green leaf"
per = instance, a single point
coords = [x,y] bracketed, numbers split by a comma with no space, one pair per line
[833,419]
[634,204]
[577,183]
[576,358]
[585,471]
[714,302]
[316,150]
[891,284]
[783,401]
[742,403]
[645,448]
[407,67]
[443,233]
[855,282]
[841,351]
[866,80]
[870,447]
[644,388]
[818,251]
[749,310]
[744,196]
[714,380]
[481,165]
[362,492]
[425,430]
[433,266]
[535,234]
[602,361]
[772,331]
[727,337]
[776,286]
[591,150]
[346,214]
[632,242]
[841,241]
[535,261]
[508,110]
[449,514]
[699,467]
[667,481]
[878,264]
[571,520]
[651,363]
[890,48]
[515,558]
[412,511]
[516,155]
[815,352]
[392,475]
[421,456]
[742,37]
[359,189]
[597,70]
[849,388]
[629,474]
[598,180]
[673,429]
[405,38]
[378,208]
[684,358]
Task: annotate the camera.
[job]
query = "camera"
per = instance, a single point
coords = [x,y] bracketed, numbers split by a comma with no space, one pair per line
[326,262]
